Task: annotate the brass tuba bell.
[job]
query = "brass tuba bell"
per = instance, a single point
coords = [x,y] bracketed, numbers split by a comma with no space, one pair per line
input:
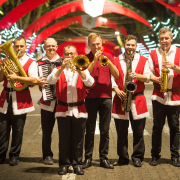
[12,63]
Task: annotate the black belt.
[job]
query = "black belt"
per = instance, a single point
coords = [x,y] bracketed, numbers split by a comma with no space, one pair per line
[168,90]
[10,90]
[137,94]
[71,104]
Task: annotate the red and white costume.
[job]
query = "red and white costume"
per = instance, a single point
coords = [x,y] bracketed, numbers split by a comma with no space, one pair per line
[138,106]
[21,100]
[49,105]
[155,65]
[70,88]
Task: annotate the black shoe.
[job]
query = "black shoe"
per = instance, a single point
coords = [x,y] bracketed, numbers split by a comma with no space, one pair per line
[63,170]
[48,160]
[14,161]
[2,161]
[176,162]
[78,170]
[86,163]
[137,163]
[106,164]
[121,162]
[153,162]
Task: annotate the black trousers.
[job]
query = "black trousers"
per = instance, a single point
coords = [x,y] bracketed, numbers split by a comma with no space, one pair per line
[160,112]
[104,106]
[16,122]
[138,138]
[47,124]
[71,137]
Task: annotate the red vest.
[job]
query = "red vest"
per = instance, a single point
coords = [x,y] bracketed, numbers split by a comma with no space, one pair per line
[21,100]
[140,101]
[61,93]
[176,78]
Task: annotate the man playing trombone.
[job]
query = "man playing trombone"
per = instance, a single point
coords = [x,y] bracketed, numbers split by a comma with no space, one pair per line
[70,111]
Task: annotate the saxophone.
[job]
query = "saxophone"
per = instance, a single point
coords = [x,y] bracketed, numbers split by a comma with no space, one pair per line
[164,73]
[129,86]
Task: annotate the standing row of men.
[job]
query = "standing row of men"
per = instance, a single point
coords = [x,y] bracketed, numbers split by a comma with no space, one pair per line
[95,86]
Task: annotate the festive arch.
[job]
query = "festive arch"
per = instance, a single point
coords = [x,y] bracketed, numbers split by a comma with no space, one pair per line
[67,22]
[174,7]
[109,7]
[82,46]
[2,1]
[18,12]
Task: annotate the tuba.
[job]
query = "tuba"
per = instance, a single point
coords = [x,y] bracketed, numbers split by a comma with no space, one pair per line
[129,86]
[81,62]
[12,63]
[164,73]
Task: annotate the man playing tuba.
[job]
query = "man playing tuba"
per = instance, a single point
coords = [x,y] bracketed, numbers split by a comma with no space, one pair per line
[14,105]
[165,104]
[139,73]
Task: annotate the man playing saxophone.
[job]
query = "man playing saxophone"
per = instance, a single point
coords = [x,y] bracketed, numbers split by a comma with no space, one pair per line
[138,112]
[165,104]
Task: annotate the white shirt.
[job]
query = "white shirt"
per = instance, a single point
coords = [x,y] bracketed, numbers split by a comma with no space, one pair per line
[170,55]
[46,58]
[123,62]
[71,78]
[32,71]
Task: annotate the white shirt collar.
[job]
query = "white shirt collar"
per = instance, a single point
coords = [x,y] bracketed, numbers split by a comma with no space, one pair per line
[46,58]
[122,57]
[172,49]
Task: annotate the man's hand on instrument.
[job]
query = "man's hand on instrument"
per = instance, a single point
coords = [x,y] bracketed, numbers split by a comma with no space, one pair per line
[42,82]
[65,62]
[120,93]
[168,64]
[133,75]
[97,55]
[12,77]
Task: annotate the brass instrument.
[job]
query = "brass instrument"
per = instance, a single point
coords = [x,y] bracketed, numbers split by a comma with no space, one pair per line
[12,63]
[164,73]
[80,62]
[104,61]
[129,86]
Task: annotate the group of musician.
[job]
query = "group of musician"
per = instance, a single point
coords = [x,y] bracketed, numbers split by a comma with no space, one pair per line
[80,96]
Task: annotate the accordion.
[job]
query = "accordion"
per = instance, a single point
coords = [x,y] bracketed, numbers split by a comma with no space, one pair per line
[45,68]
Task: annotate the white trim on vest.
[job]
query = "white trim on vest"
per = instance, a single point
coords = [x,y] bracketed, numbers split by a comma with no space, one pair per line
[4,108]
[46,107]
[19,111]
[76,115]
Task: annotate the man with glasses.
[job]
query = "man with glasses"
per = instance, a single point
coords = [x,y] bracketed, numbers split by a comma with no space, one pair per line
[70,111]
[48,107]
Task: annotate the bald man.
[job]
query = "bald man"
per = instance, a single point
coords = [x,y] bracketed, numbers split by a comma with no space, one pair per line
[51,60]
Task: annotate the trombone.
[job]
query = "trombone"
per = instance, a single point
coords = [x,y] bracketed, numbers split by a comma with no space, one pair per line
[81,62]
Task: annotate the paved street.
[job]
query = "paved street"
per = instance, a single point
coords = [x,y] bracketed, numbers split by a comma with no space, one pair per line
[31,165]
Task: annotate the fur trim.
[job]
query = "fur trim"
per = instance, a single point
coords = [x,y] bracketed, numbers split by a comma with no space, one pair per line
[47,108]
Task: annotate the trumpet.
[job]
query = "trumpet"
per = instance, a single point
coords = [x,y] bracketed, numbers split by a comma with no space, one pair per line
[104,61]
[81,62]
[11,63]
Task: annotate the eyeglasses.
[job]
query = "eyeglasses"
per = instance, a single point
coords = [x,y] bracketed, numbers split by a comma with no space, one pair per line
[69,54]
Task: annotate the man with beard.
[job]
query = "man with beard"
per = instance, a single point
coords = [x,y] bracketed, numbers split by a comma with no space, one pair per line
[135,110]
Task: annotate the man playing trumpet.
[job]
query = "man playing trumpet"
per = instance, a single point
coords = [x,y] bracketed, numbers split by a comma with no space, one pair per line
[165,104]
[70,110]
[137,113]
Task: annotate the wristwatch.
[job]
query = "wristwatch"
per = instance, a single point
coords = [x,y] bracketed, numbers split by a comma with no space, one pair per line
[174,67]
